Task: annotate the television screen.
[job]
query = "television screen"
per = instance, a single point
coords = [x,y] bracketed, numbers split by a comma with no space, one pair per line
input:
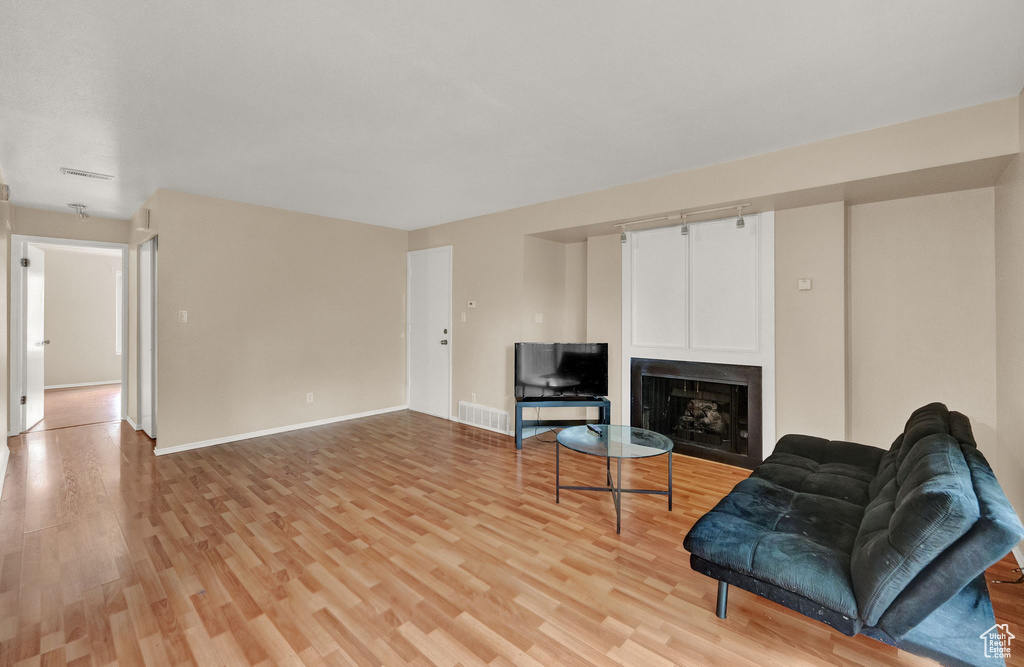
[561,370]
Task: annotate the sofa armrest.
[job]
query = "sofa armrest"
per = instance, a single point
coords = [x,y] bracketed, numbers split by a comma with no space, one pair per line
[831,451]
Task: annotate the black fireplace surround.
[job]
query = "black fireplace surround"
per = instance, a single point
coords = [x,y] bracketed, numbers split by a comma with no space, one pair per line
[712,411]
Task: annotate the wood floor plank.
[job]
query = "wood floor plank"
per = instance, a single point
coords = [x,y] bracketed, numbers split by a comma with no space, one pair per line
[77,406]
[396,539]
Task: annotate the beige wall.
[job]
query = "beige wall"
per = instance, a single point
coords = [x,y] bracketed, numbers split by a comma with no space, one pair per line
[57,224]
[279,304]
[544,288]
[810,326]
[574,326]
[1008,455]
[80,310]
[488,251]
[489,266]
[922,312]
[965,135]
[554,286]
[604,310]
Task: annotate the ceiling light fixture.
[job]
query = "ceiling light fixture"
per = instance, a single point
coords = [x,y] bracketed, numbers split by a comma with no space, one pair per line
[67,171]
[679,215]
[624,225]
[80,210]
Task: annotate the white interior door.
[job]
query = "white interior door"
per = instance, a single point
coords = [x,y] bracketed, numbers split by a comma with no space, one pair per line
[35,345]
[429,331]
[147,337]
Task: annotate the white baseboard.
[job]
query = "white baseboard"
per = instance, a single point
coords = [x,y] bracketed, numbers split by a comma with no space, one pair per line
[5,455]
[81,384]
[271,431]
[132,424]
[1018,555]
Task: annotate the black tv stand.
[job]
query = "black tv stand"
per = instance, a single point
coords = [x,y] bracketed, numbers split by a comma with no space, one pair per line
[603,405]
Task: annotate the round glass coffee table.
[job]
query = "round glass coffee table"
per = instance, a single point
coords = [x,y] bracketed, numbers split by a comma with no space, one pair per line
[613,442]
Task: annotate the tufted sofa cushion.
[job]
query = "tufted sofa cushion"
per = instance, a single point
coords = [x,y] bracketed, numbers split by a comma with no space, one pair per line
[995,533]
[798,541]
[842,470]
[929,420]
[927,503]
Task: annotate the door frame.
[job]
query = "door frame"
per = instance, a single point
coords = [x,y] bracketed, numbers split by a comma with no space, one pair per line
[18,303]
[408,321]
[153,330]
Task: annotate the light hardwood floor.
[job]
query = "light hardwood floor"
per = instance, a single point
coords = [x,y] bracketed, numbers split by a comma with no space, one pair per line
[77,406]
[394,539]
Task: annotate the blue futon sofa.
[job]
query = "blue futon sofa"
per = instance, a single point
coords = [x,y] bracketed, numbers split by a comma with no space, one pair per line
[892,544]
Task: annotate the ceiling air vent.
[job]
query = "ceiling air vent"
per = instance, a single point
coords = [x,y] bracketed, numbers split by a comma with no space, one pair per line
[85,174]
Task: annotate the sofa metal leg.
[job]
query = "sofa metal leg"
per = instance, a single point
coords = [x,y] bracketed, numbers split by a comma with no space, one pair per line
[723,598]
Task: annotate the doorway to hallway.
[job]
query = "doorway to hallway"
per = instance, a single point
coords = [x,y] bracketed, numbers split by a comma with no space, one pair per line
[68,333]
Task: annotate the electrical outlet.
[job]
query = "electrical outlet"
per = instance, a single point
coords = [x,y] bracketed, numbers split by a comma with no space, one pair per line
[474,396]
[538,318]
[309,397]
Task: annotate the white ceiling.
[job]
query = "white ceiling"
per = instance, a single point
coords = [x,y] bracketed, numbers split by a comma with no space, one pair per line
[413,113]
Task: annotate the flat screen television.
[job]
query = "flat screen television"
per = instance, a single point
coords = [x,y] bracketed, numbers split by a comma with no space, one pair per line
[561,370]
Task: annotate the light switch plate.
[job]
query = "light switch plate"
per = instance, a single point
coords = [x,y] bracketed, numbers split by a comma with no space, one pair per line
[463,316]
[183,316]
[803,284]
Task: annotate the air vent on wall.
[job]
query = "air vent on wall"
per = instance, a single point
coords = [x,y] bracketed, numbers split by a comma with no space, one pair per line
[85,174]
[484,417]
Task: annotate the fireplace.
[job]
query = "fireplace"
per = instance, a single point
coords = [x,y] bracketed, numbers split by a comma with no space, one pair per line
[712,411]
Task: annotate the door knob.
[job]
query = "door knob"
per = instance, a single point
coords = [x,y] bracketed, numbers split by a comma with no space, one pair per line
[444,342]
[45,342]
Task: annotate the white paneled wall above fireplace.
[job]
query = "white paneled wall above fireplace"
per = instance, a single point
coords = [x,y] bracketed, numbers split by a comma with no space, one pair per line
[707,296]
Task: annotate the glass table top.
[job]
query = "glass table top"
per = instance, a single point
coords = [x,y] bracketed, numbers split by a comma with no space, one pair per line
[620,442]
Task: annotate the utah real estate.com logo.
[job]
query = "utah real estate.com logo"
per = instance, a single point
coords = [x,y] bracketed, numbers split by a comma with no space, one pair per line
[997,641]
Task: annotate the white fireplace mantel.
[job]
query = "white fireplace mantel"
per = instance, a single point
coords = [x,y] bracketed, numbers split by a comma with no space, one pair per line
[708,295]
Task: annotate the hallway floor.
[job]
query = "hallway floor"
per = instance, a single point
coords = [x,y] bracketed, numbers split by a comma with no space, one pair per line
[78,406]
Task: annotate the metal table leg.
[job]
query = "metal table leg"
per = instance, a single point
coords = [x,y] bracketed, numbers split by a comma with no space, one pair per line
[670,481]
[618,497]
[614,486]
[558,482]
[519,426]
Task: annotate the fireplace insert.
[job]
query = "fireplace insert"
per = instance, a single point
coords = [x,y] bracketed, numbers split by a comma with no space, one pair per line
[712,411]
